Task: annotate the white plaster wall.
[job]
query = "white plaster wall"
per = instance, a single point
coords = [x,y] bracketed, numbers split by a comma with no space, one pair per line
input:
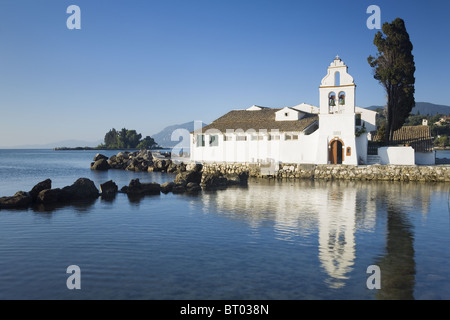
[303,150]
[340,126]
[425,158]
[369,118]
[288,114]
[348,107]
[361,148]
[337,66]
[346,84]
[396,155]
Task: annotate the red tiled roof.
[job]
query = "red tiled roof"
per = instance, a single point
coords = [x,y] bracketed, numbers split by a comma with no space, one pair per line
[418,137]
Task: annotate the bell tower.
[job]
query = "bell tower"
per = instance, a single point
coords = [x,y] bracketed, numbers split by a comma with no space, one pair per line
[337,141]
[337,90]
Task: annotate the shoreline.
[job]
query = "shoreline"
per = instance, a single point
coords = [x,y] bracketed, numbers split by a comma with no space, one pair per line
[146,161]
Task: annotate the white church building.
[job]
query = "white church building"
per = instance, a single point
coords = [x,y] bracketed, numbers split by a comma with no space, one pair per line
[336,132]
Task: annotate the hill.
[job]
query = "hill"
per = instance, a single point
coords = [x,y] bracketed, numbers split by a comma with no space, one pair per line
[163,138]
[424,108]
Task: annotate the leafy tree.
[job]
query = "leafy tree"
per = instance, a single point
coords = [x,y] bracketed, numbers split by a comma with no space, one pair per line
[126,139]
[147,143]
[111,137]
[394,68]
[442,141]
[123,142]
[381,136]
[132,138]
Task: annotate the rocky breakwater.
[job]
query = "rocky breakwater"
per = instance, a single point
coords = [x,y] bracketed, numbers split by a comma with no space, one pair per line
[43,193]
[138,161]
[198,177]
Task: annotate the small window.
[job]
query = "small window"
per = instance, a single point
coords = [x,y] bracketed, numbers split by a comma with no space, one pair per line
[286,114]
[358,119]
[274,137]
[213,141]
[291,136]
[227,138]
[349,151]
[200,140]
[241,138]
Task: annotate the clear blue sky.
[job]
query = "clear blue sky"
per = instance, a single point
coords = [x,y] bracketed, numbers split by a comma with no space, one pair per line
[145,65]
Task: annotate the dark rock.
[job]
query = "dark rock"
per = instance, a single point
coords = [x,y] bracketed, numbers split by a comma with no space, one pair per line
[233,179]
[43,185]
[161,164]
[123,155]
[193,187]
[82,189]
[99,156]
[101,164]
[50,196]
[197,167]
[237,179]
[113,158]
[213,180]
[20,199]
[108,189]
[145,155]
[179,188]
[243,177]
[188,176]
[136,187]
[167,187]
[181,167]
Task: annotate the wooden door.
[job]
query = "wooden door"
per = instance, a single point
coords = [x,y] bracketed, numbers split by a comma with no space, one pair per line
[336,155]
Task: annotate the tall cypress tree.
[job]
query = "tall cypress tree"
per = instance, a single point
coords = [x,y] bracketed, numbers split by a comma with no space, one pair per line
[394,68]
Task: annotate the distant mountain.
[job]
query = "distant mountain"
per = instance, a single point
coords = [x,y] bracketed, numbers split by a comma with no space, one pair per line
[425,108]
[164,137]
[64,143]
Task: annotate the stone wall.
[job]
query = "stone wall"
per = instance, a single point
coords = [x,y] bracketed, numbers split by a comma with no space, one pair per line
[230,168]
[440,173]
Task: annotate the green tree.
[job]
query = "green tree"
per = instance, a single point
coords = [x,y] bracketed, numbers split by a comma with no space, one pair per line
[132,138]
[441,141]
[111,137]
[147,143]
[394,68]
[381,136]
[126,139]
[122,141]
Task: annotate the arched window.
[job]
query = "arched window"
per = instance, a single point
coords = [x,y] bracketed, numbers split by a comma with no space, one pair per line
[341,98]
[332,99]
[337,79]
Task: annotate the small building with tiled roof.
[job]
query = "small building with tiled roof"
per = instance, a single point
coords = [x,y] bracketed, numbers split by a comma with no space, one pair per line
[257,134]
[419,139]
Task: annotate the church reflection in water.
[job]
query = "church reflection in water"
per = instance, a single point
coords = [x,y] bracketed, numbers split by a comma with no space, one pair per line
[334,212]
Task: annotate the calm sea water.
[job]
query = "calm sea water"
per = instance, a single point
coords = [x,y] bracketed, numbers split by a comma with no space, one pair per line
[269,240]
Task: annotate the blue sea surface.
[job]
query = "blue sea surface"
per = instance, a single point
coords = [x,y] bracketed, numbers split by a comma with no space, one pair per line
[269,240]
